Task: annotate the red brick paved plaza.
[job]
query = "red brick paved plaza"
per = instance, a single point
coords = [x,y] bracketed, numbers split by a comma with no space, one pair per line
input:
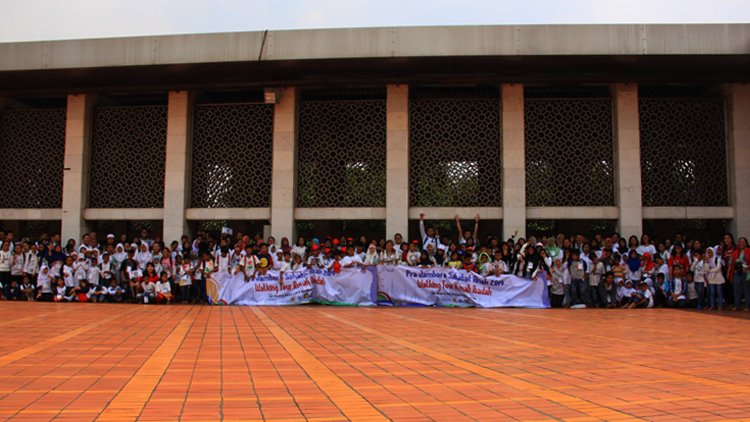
[315,363]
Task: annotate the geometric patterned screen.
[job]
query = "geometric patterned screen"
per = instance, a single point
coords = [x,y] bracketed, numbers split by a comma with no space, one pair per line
[455,148]
[683,152]
[128,150]
[232,156]
[341,153]
[569,152]
[32,147]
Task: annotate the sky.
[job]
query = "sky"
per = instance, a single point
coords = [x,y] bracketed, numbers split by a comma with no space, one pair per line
[33,20]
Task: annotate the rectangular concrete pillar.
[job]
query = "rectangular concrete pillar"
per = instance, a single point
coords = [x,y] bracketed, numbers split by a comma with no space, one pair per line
[78,128]
[397,161]
[627,140]
[514,160]
[177,165]
[283,193]
[738,134]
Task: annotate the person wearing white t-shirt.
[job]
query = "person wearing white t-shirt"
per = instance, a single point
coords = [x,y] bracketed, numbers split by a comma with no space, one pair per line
[429,235]
[68,274]
[351,260]
[164,289]
[644,297]
[646,246]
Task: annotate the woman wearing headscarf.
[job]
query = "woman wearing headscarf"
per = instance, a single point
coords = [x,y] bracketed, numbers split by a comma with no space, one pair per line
[143,257]
[44,285]
[372,257]
[633,263]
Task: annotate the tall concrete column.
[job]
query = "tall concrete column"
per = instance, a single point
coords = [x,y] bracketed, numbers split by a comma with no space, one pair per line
[514,160]
[177,164]
[283,193]
[397,161]
[78,128]
[627,137]
[738,131]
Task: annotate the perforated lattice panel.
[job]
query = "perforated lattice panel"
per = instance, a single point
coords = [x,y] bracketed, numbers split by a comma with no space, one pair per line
[341,154]
[569,152]
[232,156]
[455,152]
[127,157]
[32,147]
[683,152]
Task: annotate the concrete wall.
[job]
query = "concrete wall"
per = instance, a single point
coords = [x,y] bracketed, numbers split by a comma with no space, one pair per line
[509,40]
[282,213]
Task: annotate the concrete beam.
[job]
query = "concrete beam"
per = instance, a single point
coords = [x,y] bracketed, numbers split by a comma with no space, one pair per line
[397,161]
[514,162]
[177,165]
[284,173]
[627,140]
[738,143]
[78,127]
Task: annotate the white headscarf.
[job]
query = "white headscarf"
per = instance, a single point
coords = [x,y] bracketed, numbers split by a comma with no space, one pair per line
[43,279]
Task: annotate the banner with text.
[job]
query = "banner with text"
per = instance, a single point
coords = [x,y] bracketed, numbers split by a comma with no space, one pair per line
[349,287]
[399,286]
[381,285]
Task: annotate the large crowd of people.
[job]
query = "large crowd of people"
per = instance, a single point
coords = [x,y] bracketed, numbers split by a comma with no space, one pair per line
[604,271]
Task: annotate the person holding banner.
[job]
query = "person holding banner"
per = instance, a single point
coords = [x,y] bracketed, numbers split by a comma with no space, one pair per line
[248,263]
[351,260]
[371,257]
[389,256]
[265,261]
[314,260]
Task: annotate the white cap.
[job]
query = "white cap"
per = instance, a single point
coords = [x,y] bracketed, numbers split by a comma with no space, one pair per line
[110,236]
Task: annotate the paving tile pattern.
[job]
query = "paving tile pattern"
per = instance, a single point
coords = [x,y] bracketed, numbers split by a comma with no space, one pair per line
[127,362]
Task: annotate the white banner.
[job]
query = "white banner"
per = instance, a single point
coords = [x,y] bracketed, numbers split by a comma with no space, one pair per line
[449,287]
[349,287]
[382,285]
[227,289]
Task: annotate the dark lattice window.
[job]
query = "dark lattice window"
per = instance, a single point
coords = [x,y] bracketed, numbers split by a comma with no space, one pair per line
[232,156]
[683,152]
[569,152]
[455,148]
[341,153]
[127,157]
[32,147]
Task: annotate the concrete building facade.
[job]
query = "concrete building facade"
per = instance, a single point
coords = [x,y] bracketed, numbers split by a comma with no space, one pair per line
[619,126]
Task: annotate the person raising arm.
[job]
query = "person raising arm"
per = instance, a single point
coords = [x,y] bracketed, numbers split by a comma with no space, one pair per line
[464,236]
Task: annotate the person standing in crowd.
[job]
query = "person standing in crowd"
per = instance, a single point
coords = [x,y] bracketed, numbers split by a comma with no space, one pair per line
[739,270]
[715,279]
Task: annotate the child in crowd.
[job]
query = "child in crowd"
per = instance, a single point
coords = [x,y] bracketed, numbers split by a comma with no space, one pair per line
[164,289]
[114,292]
[643,298]
[27,289]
